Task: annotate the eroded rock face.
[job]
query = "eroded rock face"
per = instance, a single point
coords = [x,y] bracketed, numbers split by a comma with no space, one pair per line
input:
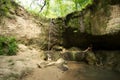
[113,24]
[101,22]
[102,29]
[99,19]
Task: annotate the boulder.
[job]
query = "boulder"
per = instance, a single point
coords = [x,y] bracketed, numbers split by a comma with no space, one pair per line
[90,58]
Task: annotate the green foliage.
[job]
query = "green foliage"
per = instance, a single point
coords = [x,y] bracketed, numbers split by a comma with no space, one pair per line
[8,46]
[56,8]
[64,7]
[82,3]
[4,7]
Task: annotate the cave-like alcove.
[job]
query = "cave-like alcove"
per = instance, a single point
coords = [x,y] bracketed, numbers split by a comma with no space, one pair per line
[84,40]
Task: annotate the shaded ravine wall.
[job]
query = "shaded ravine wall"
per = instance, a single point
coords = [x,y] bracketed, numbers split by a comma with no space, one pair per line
[101,22]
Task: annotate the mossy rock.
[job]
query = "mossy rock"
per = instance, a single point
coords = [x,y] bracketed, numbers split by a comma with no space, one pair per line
[90,58]
[54,55]
[73,55]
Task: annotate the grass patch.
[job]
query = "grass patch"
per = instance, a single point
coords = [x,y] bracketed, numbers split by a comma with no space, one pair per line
[8,46]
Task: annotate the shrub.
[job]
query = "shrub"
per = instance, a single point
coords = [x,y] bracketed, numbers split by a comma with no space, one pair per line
[4,7]
[8,46]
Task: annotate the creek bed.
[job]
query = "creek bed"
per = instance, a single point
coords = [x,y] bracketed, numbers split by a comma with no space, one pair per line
[76,71]
[82,71]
